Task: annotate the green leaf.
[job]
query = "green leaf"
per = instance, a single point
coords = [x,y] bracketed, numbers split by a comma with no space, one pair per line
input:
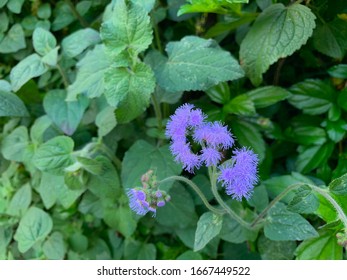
[249,136]
[338,71]
[90,75]
[324,247]
[129,90]
[196,64]
[209,226]
[54,155]
[277,32]
[342,99]
[14,144]
[276,250]
[93,166]
[219,93]
[128,28]
[44,11]
[284,225]
[4,21]
[142,157]
[54,247]
[240,105]
[6,234]
[38,129]
[64,114]
[14,40]
[336,129]
[266,96]
[331,38]
[15,6]
[43,41]
[147,5]
[51,58]
[28,68]
[33,227]
[210,6]
[2,3]
[12,106]
[20,201]
[339,185]
[136,250]
[105,121]
[306,135]
[189,255]
[314,97]
[304,201]
[77,42]
[311,157]
[180,209]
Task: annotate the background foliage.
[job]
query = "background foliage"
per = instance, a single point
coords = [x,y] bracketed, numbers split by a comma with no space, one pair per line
[86,88]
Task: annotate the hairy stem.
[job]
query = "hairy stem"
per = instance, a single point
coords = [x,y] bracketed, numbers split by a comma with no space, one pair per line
[197,190]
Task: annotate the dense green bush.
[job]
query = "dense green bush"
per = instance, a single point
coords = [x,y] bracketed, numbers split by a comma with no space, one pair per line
[86,90]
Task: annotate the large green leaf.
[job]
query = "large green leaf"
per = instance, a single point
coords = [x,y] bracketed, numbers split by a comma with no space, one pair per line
[276,250]
[331,38]
[14,40]
[129,29]
[304,201]
[136,250]
[80,40]
[29,67]
[209,226]
[312,96]
[54,155]
[240,105]
[11,105]
[20,201]
[284,225]
[54,247]
[339,185]
[33,227]
[13,145]
[195,64]
[90,75]
[142,157]
[278,32]
[266,96]
[129,90]
[64,114]
[306,135]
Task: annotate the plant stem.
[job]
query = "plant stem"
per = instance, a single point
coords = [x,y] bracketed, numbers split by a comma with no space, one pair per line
[77,14]
[157,111]
[197,190]
[156,35]
[213,178]
[63,75]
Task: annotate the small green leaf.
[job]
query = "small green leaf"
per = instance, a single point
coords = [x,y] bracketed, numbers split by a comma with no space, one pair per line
[43,41]
[54,155]
[342,99]
[128,28]
[51,58]
[105,121]
[195,64]
[211,6]
[33,227]
[314,97]
[15,6]
[336,129]
[339,185]
[12,106]
[14,40]
[266,96]
[136,250]
[28,68]
[311,157]
[209,226]
[80,40]
[64,114]
[20,202]
[4,21]
[44,11]
[277,32]
[284,225]
[14,144]
[90,75]
[219,93]
[54,247]
[304,201]
[93,166]
[276,250]
[338,71]
[129,90]
[189,255]
[306,135]
[240,105]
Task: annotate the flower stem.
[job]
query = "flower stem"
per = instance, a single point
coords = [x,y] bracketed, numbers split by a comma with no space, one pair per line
[197,190]
[63,75]
[213,178]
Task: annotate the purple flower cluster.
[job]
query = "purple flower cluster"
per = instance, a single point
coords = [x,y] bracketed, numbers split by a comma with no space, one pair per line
[239,177]
[147,198]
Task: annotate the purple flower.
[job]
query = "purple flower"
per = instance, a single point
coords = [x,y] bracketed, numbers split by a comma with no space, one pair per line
[214,134]
[210,156]
[137,201]
[240,178]
[182,152]
[196,118]
[176,127]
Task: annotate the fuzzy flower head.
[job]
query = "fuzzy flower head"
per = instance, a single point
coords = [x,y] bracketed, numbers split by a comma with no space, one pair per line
[239,179]
[148,197]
